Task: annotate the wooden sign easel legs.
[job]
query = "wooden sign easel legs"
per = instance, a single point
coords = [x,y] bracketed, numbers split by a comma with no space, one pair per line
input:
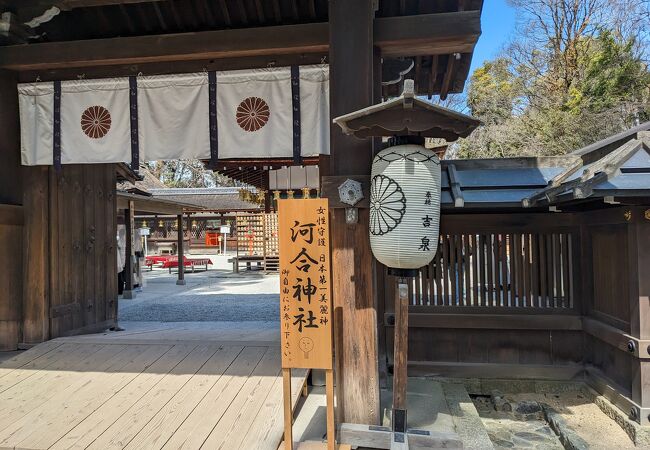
[288,409]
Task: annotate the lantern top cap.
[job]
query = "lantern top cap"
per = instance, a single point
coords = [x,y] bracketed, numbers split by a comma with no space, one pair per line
[407,115]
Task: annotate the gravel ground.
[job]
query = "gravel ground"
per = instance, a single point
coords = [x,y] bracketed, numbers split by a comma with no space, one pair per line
[215,295]
[586,419]
[527,428]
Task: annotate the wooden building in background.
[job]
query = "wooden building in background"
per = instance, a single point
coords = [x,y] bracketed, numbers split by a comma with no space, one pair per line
[213,209]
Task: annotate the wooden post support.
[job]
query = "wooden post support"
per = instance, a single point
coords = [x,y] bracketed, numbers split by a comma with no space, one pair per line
[180,253]
[639,282]
[400,375]
[329,394]
[288,411]
[128,265]
[355,314]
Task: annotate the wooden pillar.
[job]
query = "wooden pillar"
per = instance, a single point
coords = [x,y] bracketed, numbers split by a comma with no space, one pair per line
[639,282]
[12,275]
[189,233]
[180,252]
[128,265]
[355,316]
[267,194]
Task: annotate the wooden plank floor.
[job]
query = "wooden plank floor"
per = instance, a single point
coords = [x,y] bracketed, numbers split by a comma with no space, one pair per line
[100,392]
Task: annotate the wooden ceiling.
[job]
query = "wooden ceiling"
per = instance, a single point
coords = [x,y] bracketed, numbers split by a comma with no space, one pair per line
[164,36]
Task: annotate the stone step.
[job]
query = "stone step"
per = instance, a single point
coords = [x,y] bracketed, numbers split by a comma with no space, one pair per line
[467,422]
[440,407]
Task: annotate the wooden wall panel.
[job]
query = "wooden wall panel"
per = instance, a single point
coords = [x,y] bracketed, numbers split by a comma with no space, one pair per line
[613,363]
[493,346]
[610,272]
[82,246]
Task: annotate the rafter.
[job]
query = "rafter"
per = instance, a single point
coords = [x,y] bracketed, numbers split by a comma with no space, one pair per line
[225,12]
[294,10]
[207,7]
[312,9]
[127,19]
[161,19]
[433,75]
[277,13]
[449,76]
[418,71]
[144,19]
[243,13]
[260,11]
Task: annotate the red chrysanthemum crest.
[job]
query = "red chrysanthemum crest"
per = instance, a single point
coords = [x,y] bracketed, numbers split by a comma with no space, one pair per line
[252,114]
[96,122]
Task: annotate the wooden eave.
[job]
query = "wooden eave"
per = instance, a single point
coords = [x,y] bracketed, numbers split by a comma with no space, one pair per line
[99,38]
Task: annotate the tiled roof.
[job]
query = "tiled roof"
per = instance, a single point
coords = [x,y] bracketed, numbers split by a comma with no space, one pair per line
[618,166]
[224,199]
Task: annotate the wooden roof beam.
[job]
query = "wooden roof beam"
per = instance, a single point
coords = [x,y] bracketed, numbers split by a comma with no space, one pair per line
[428,34]
[276,40]
[395,36]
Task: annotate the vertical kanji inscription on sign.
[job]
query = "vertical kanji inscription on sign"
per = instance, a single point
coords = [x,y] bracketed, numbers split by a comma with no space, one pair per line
[305,292]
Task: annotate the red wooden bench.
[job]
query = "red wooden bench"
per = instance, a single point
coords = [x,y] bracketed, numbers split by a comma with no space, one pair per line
[150,261]
[187,262]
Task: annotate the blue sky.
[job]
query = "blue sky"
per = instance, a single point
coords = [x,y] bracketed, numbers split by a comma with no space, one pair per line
[497,24]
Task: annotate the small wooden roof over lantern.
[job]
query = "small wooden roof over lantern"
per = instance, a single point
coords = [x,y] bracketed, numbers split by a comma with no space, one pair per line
[407,115]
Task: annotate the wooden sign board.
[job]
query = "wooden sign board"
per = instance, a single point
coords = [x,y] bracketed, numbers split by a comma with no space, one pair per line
[305,284]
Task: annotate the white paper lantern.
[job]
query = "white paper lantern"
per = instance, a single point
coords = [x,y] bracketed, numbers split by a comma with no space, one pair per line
[405,206]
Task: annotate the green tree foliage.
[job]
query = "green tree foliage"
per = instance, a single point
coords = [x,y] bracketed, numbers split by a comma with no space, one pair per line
[574,74]
[494,92]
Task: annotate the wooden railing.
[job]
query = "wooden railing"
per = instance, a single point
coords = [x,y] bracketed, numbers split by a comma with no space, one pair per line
[499,270]
[501,263]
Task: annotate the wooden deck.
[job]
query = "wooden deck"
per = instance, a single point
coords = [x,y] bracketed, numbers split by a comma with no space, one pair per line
[127,391]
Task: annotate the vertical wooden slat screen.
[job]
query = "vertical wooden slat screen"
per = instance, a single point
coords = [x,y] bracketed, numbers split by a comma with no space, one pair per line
[530,270]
